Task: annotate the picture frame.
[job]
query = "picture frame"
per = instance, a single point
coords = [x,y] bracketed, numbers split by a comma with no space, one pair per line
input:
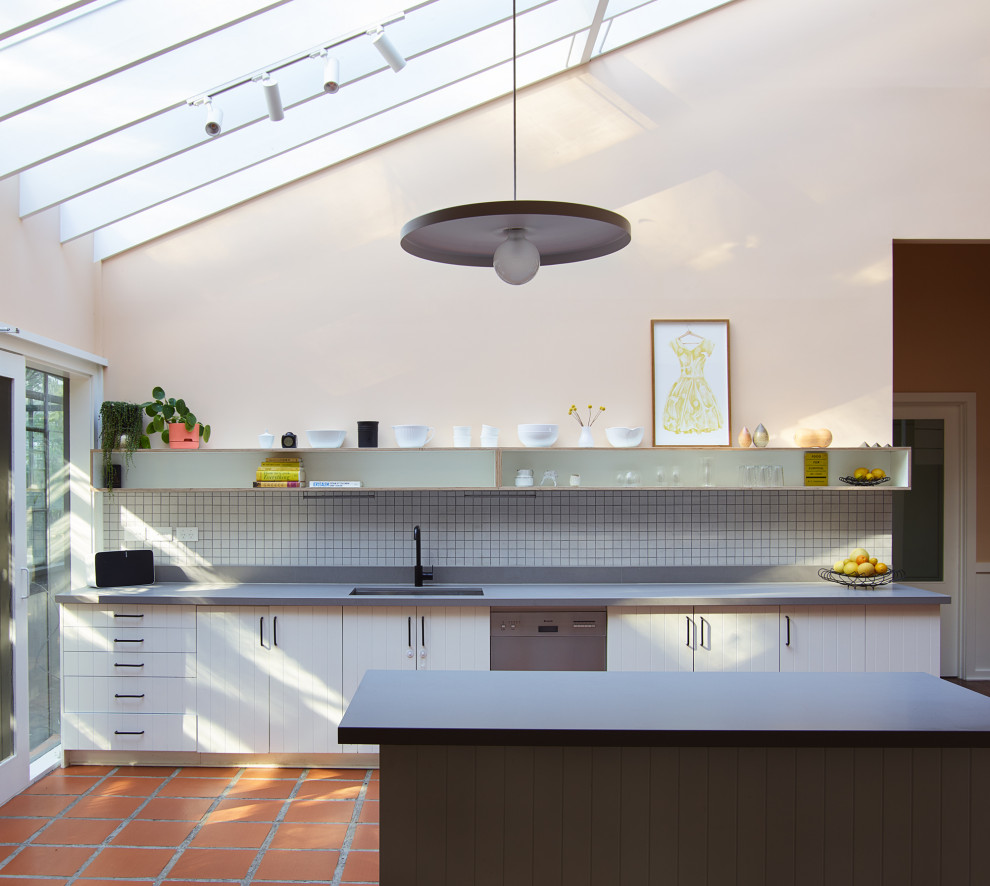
[690,360]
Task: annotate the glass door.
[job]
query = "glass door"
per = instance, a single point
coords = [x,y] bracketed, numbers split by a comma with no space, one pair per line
[14,734]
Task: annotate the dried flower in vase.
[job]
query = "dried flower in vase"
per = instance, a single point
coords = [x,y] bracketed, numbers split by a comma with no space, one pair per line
[591,415]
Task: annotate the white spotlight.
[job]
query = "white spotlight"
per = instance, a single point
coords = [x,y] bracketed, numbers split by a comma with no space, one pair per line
[517,260]
[392,55]
[214,117]
[331,75]
[272,98]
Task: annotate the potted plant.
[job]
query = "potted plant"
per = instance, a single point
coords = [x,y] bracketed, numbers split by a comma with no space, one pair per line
[120,428]
[171,418]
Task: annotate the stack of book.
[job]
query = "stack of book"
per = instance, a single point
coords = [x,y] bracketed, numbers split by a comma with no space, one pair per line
[280,472]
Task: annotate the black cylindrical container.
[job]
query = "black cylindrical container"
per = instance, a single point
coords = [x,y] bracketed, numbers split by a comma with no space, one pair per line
[367,434]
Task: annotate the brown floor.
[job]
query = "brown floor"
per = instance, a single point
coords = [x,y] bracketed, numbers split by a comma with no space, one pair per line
[145,826]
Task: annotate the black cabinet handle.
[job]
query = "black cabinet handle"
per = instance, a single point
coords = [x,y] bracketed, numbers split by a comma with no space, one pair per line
[702,620]
[122,732]
[128,615]
[120,664]
[422,631]
[261,631]
[275,630]
[122,695]
[788,618]
[409,632]
[121,640]
[687,632]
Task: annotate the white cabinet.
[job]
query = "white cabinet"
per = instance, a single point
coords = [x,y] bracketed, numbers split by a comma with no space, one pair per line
[269,679]
[823,639]
[685,638]
[128,677]
[903,638]
[455,638]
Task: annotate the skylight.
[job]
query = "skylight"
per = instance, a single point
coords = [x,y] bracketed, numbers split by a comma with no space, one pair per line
[102,109]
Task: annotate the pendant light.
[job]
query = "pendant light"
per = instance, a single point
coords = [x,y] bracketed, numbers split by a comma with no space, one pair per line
[515,236]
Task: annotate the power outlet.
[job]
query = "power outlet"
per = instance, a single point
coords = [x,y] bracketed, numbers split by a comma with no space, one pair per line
[186,533]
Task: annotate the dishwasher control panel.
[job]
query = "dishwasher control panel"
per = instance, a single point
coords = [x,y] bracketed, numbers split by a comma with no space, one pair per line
[523,623]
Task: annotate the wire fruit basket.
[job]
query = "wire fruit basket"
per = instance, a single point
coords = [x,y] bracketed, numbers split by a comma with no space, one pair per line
[861,581]
[852,481]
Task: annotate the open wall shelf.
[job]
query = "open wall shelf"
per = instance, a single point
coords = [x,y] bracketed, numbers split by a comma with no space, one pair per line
[496,469]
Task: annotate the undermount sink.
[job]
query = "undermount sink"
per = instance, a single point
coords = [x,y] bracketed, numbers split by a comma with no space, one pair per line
[405,591]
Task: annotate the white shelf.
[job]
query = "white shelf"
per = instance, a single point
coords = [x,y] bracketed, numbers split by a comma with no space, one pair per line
[476,469]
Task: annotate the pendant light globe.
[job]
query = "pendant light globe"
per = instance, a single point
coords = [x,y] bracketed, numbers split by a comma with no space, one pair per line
[517,260]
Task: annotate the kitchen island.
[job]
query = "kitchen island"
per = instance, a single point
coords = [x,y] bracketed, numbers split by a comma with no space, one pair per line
[507,777]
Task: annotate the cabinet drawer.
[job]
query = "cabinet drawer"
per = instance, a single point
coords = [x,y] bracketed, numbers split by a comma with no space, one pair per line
[128,732]
[103,615]
[129,664]
[143,638]
[137,695]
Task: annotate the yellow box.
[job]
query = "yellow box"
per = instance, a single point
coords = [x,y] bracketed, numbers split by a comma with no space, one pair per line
[816,469]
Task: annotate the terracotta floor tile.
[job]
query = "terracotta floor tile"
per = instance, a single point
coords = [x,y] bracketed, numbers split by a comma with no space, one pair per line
[8,850]
[129,786]
[118,861]
[240,809]
[295,865]
[309,835]
[328,789]
[346,774]
[360,867]
[232,834]
[194,787]
[153,833]
[365,837]
[369,811]
[320,810]
[17,830]
[86,770]
[31,881]
[175,808]
[272,772]
[76,832]
[88,882]
[376,774]
[47,861]
[48,805]
[373,790]
[262,788]
[56,783]
[146,771]
[208,772]
[95,806]
[212,864]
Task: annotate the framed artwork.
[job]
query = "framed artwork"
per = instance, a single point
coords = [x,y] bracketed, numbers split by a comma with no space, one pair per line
[690,382]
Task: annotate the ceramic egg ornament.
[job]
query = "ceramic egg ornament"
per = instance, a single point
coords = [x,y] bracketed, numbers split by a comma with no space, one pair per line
[760,436]
[745,438]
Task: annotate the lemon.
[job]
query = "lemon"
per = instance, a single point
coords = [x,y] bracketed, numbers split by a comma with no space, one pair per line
[859,552]
[868,475]
[860,473]
[838,565]
[850,568]
[865,569]
[878,473]
[873,560]
[880,568]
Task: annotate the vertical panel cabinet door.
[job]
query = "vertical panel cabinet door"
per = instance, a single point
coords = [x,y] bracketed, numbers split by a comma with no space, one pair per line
[232,654]
[822,639]
[737,638]
[903,638]
[454,638]
[650,638]
[306,690]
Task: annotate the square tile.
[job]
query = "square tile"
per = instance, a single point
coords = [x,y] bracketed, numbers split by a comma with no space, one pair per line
[95,806]
[129,786]
[194,787]
[360,867]
[57,783]
[32,881]
[175,808]
[272,772]
[146,771]
[277,864]
[208,772]
[212,864]
[320,810]
[365,837]
[46,806]
[346,774]
[17,830]
[47,861]
[369,811]
[262,788]
[232,834]
[116,861]
[328,789]
[239,809]
[89,882]
[76,832]
[309,835]
[153,833]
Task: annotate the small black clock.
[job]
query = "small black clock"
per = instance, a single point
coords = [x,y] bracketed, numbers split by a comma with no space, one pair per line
[288,440]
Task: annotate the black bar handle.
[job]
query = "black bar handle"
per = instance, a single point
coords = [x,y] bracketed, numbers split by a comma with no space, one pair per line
[275,630]
[261,631]
[422,631]
[409,632]
[122,640]
[788,618]
[128,615]
[701,618]
[121,695]
[122,732]
[119,664]
[687,631]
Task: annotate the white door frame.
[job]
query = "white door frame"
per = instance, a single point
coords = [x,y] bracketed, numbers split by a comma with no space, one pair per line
[959,411]
[15,769]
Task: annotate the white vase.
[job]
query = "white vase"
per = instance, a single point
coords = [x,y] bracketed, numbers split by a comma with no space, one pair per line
[585,438]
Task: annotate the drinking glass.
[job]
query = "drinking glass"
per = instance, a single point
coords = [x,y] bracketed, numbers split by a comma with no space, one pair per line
[706,471]
[777,476]
[746,476]
[661,476]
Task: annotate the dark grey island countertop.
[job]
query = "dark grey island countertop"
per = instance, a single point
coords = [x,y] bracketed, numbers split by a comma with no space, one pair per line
[614,709]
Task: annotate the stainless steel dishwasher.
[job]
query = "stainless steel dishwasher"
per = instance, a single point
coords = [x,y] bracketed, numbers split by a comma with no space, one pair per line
[572,640]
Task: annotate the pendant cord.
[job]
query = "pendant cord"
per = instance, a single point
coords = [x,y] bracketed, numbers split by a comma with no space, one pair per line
[513,99]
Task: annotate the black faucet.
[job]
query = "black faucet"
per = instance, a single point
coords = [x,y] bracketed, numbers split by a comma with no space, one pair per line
[419,573]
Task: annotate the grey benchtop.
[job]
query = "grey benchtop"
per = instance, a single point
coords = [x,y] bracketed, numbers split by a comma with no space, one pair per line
[616,708]
[513,595]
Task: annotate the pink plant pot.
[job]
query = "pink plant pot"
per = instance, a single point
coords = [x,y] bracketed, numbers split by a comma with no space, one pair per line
[180,438]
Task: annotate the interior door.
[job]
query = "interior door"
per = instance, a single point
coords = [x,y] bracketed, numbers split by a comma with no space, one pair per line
[14,734]
[928,521]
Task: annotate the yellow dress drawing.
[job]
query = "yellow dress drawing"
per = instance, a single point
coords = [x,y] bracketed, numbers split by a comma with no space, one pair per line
[691,407]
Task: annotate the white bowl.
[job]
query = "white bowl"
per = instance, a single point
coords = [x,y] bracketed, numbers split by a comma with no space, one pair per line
[624,437]
[537,435]
[326,439]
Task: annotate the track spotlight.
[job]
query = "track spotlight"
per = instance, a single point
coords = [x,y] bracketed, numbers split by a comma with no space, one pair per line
[331,74]
[272,98]
[214,117]
[388,52]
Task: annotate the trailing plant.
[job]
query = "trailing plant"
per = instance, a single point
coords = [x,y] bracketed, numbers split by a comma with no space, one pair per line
[164,410]
[120,428]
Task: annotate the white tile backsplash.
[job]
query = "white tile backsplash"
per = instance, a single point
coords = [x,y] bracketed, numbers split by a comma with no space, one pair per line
[560,528]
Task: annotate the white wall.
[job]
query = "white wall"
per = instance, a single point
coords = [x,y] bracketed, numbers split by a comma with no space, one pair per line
[766,156]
